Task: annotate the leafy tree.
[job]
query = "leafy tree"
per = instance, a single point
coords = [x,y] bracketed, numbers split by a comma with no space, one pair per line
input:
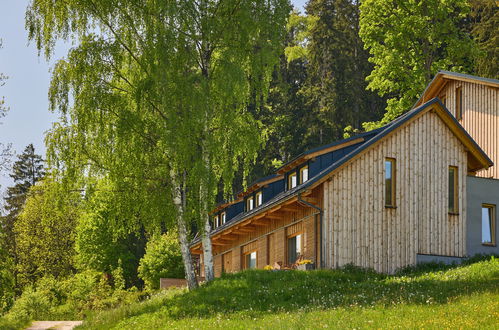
[162,260]
[7,283]
[26,171]
[485,31]
[337,71]
[45,232]
[409,41]
[99,247]
[160,93]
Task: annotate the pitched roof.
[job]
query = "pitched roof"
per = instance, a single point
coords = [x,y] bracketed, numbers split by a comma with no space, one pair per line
[441,78]
[477,157]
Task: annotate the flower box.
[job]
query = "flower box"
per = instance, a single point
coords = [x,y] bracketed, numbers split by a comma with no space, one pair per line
[305,267]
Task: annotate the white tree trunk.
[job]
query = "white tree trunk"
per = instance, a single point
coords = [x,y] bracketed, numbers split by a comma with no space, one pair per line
[179,202]
[209,273]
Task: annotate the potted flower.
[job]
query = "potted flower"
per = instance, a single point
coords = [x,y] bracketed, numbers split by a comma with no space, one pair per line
[305,264]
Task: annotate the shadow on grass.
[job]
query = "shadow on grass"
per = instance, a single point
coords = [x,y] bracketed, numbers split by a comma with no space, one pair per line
[259,291]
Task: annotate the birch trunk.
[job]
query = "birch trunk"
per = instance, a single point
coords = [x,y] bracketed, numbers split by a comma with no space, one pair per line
[209,273]
[179,202]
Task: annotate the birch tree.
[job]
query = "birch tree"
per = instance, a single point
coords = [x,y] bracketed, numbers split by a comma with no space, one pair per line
[154,96]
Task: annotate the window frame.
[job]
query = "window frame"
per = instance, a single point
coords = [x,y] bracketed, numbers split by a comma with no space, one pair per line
[459,103]
[245,259]
[393,183]
[492,224]
[257,202]
[443,98]
[290,176]
[305,167]
[248,200]
[300,233]
[455,192]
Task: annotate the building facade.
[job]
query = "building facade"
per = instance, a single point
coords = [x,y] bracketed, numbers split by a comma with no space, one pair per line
[384,199]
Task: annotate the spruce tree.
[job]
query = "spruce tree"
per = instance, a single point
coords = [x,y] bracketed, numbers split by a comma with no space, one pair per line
[26,171]
[337,71]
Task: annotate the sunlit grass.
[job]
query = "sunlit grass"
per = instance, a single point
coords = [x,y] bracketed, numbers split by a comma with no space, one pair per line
[462,297]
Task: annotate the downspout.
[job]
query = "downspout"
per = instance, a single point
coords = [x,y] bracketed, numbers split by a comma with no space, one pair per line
[304,202]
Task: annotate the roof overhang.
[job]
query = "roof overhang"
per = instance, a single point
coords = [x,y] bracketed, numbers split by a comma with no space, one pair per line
[441,79]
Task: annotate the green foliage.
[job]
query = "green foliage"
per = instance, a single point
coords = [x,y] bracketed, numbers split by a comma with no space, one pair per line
[26,171]
[257,298]
[45,232]
[409,42]
[7,282]
[153,95]
[485,31]
[70,298]
[98,244]
[338,68]
[162,260]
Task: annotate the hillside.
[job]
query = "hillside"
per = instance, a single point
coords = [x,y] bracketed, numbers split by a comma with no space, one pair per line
[432,297]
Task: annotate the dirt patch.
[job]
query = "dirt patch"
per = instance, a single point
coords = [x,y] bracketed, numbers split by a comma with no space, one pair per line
[59,325]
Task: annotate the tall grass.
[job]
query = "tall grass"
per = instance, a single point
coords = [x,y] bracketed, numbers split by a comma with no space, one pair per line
[259,298]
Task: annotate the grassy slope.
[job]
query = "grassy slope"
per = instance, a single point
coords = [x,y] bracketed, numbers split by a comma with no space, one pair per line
[466,296]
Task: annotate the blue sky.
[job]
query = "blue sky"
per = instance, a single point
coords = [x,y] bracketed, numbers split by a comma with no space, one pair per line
[26,89]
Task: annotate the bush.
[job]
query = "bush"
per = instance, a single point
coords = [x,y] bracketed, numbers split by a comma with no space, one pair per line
[162,259]
[71,298]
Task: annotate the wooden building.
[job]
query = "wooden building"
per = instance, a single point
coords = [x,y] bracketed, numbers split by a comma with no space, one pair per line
[375,200]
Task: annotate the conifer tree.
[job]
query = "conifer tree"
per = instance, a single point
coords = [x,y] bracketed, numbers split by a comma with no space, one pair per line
[26,171]
[338,68]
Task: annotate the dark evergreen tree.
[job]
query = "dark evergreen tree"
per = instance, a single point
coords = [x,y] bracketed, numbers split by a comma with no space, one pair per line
[485,30]
[338,69]
[26,171]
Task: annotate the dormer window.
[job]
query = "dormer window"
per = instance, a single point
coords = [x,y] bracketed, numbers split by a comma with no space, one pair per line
[259,198]
[250,203]
[223,218]
[292,180]
[303,174]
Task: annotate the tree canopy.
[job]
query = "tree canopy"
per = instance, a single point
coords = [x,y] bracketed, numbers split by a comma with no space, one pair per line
[409,41]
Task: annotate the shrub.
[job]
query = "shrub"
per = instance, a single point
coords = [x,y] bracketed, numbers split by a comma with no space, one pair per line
[162,259]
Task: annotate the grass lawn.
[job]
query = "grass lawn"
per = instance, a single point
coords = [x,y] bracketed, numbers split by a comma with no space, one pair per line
[430,297]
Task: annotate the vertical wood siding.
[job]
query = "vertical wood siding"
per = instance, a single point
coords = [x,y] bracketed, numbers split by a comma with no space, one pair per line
[359,229]
[270,242]
[480,117]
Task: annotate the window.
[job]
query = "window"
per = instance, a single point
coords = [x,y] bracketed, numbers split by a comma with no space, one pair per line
[222,216]
[444,100]
[488,224]
[294,248]
[292,180]
[215,221]
[390,182]
[303,174]
[459,103]
[259,198]
[250,260]
[250,204]
[453,190]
